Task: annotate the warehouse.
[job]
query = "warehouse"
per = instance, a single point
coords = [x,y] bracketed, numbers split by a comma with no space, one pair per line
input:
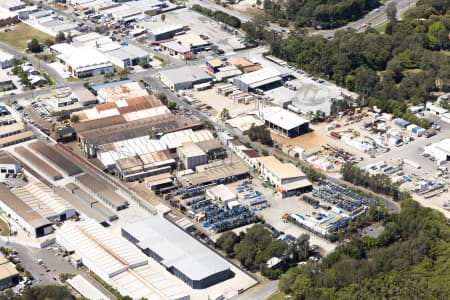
[214,173]
[162,33]
[113,129]
[7,17]
[5,60]
[184,77]
[123,13]
[44,201]
[6,82]
[122,91]
[261,79]
[183,256]
[140,166]
[59,160]
[287,179]
[103,190]
[175,139]
[9,276]
[221,193]
[16,139]
[191,155]
[121,107]
[148,7]
[174,48]
[8,165]
[439,150]
[127,56]
[86,62]
[192,42]
[117,262]
[86,289]
[284,122]
[19,211]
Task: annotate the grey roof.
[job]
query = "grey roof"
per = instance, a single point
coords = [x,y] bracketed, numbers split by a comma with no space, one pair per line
[186,73]
[176,248]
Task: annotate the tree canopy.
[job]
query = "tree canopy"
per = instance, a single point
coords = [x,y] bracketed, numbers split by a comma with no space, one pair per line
[409,260]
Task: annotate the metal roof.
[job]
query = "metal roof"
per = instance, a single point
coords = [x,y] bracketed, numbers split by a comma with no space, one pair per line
[282,117]
[279,169]
[65,164]
[176,248]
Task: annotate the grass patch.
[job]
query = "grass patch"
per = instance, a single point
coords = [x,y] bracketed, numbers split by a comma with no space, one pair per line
[4,228]
[20,34]
[381,27]
[278,296]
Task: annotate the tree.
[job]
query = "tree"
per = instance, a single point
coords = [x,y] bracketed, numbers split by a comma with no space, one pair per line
[74,118]
[163,18]
[34,46]
[225,114]
[227,241]
[171,105]
[60,37]
[69,38]
[391,12]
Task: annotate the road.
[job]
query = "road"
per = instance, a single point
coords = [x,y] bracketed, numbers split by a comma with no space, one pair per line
[263,291]
[36,62]
[374,18]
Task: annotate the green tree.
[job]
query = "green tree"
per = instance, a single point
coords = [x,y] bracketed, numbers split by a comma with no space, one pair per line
[60,37]
[391,12]
[227,241]
[225,114]
[433,34]
[34,46]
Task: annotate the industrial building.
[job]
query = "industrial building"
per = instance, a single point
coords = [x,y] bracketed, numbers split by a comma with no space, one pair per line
[162,33]
[86,289]
[54,156]
[179,253]
[191,155]
[127,56]
[8,165]
[102,190]
[174,48]
[5,60]
[214,173]
[7,17]
[121,91]
[261,79]
[222,193]
[249,155]
[184,77]
[44,201]
[9,276]
[67,98]
[192,42]
[287,179]
[283,121]
[148,7]
[86,62]
[6,82]
[439,150]
[23,214]
[117,262]
[121,107]
[95,133]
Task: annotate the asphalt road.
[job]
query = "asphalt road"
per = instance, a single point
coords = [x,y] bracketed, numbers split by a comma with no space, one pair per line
[263,291]
[374,18]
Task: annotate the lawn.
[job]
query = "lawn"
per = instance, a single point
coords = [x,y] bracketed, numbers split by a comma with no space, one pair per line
[20,34]
[4,228]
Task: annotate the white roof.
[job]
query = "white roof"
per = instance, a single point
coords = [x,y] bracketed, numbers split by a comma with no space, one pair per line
[176,248]
[176,139]
[146,113]
[5,13]
[5,56]
[86,288]
[111,254]
[163,28]
[85,57]
[282,117]
[125,52]
[63,48]
[222,193]
[244,123]
[127,148]
[175,46]
[260,77]
[443,145]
